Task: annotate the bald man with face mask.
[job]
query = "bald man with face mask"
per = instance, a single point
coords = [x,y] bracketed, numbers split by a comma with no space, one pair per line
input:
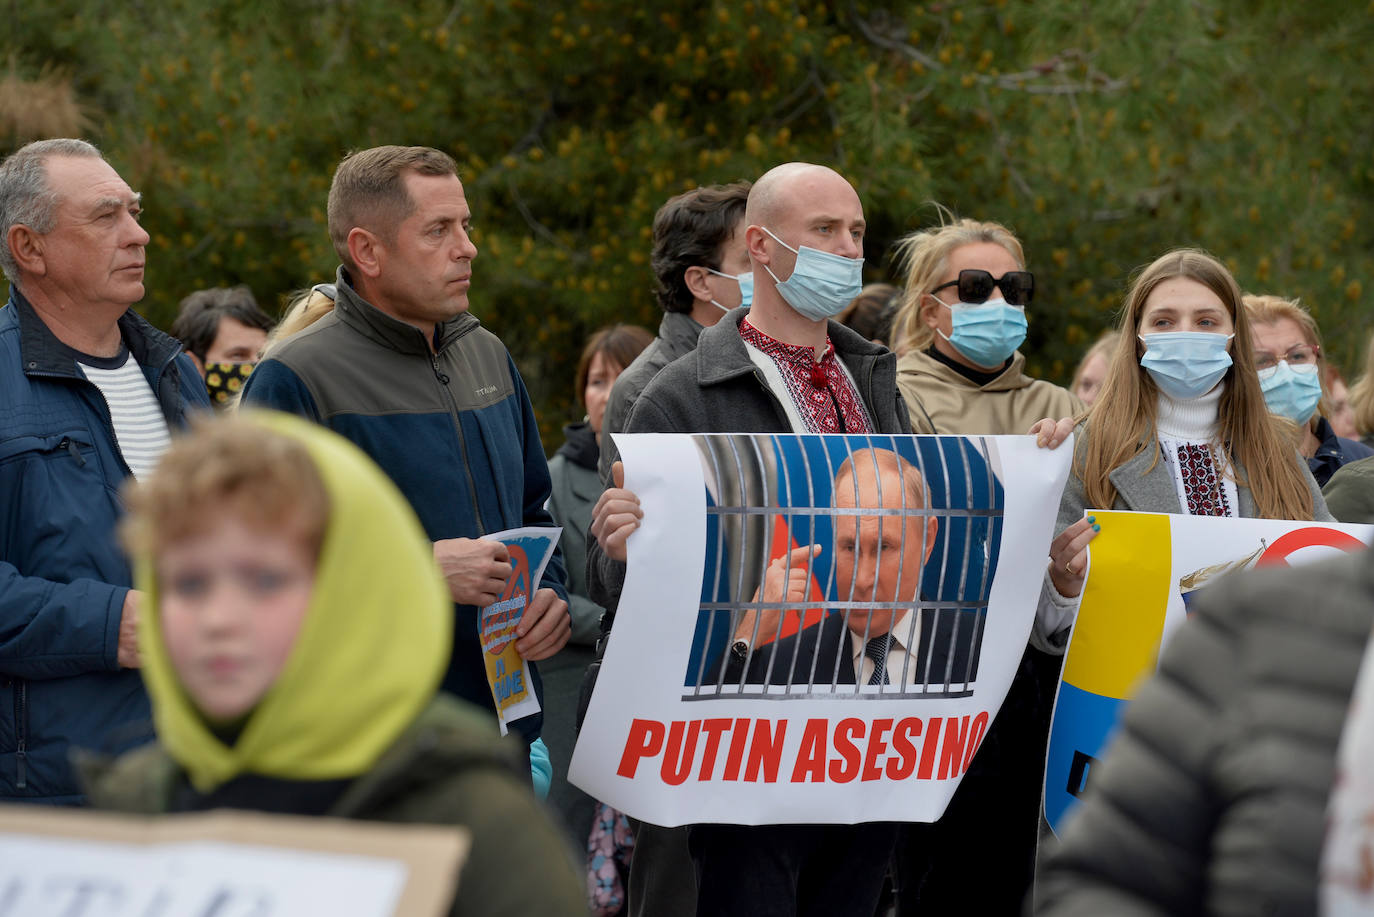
[782,367]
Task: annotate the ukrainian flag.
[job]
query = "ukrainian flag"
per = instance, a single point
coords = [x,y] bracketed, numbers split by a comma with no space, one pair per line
[1115,646]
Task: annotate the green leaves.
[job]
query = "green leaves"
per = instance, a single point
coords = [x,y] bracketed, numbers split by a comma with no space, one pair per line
[1103,133]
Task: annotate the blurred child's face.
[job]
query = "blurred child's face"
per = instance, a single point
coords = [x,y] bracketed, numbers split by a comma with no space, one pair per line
[233,599]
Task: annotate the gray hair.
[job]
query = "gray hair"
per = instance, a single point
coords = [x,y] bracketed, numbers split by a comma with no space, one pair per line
[25,198]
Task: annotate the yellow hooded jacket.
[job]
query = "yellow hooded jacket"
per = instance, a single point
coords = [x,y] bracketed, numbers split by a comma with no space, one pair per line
[356,700]
[369,654]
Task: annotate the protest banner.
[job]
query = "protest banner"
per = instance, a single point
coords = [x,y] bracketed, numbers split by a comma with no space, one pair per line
[507,671]
[72,863]
[742,684]
[1145,569]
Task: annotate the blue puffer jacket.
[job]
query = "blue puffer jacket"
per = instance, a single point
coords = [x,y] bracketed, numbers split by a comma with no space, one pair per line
[63,577]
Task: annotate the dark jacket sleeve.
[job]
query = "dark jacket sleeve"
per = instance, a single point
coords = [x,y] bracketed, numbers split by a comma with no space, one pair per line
[191,391]
[538,485]
[1140,842]
[616,419]
[606,577]
[566,508]
[274,386]
[55,630]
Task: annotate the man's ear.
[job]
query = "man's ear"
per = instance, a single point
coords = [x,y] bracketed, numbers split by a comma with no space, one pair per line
[754,238]
[26,247]
[200,364]
[695,279]
[366,251]
[932,526]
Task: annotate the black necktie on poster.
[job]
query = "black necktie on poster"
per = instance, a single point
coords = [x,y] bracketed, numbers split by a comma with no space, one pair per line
[876,649]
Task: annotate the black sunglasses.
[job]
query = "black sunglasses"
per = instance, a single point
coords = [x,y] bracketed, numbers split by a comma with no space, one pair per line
[975,286]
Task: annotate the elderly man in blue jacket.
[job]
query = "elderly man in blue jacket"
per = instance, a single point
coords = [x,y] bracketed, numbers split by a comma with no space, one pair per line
[89,393]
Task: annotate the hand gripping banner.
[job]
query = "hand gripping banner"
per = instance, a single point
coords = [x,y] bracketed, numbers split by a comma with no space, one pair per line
[1144,572]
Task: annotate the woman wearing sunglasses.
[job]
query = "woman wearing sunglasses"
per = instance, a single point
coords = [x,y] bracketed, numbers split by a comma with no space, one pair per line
[962,318]
[1288,357]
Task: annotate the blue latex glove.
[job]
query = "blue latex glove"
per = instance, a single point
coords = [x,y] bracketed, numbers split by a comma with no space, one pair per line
[541,768]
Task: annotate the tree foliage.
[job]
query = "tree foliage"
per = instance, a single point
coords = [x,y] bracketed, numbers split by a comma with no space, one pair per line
[1102,132]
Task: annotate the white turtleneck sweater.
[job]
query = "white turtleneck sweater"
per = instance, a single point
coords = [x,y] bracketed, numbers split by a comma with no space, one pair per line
[1194,423]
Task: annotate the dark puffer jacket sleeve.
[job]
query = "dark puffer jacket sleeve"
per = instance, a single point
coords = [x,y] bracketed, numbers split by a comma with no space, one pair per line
[1212,798]
[1138,843]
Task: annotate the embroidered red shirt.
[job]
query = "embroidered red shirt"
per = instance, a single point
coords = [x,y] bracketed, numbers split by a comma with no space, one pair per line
[1206,496]
[823,394]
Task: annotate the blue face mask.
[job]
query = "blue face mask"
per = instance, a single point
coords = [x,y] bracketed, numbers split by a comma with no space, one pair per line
[1185,364]
[986,333]
[1292,391]
[746,288]
[821,284]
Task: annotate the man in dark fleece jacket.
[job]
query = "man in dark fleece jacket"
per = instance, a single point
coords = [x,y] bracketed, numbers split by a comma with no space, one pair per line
[403,371]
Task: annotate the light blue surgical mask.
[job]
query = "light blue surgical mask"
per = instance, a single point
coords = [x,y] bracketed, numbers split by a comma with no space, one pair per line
[987,333]
[746,288]
[1292,391]
[1185,364]
[822,284]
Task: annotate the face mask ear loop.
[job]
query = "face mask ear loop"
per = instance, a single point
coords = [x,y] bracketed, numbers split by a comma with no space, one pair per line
[784,245]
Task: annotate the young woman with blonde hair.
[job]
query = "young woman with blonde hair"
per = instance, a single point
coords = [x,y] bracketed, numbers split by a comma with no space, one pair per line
[1181,425]
[306,309]
[962,318]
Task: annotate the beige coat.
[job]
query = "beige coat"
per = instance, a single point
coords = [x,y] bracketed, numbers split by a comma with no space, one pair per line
[942,401]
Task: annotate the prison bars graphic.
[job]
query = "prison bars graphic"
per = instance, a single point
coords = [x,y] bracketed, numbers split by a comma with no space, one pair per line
[763,492]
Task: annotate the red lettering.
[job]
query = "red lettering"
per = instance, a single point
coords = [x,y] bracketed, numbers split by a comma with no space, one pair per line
[846,768]
[928,748]
[876,746]
[811,757]
[765,752]
[738,737]
[952,753]
[679,755]
[711,730]
[900,768]
[976,733]
[644,740]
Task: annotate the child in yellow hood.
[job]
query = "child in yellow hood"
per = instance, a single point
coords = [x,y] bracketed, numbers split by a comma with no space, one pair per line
[293,635]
